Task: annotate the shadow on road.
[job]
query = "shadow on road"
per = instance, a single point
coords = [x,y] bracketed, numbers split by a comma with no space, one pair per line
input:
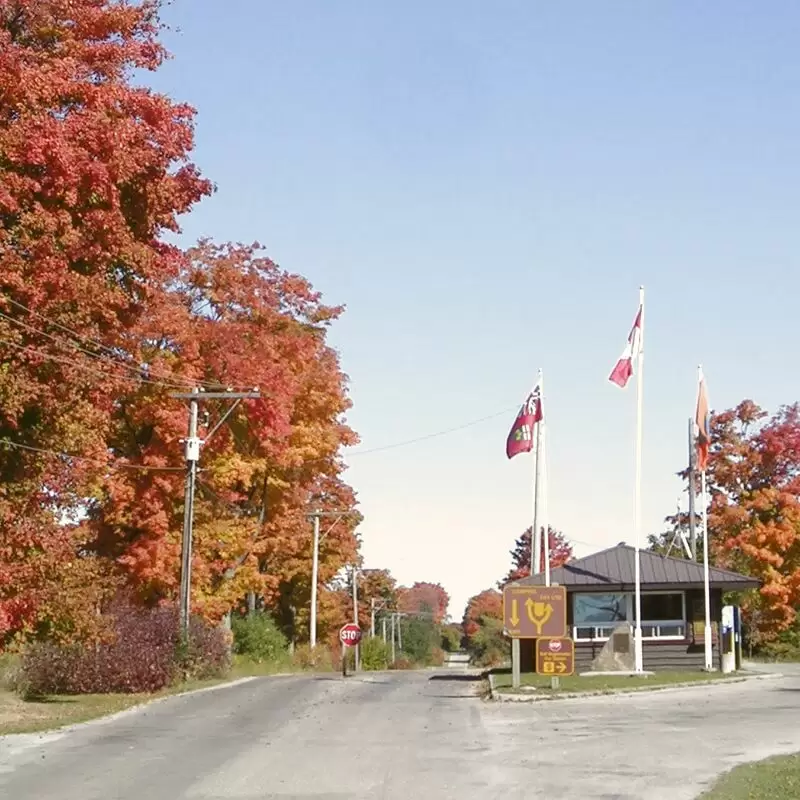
[459,677]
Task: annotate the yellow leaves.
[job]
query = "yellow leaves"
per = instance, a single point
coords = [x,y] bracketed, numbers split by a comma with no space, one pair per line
[232,469]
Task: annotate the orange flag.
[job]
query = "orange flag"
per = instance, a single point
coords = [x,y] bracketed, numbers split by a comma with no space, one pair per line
[701,419]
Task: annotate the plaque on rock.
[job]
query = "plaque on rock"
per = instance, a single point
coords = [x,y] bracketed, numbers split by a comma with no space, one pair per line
[621,641]
[617,654]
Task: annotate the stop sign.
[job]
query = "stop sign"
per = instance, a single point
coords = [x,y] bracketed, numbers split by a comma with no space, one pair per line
[350,634]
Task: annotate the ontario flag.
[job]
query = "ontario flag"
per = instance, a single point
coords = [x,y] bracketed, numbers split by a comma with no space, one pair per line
[520,440]
[701,419]
[623,370]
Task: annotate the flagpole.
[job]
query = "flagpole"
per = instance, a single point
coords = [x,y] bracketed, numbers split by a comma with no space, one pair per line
[545,510]
[709,658]
[536,539]
[637,631]
[707,589]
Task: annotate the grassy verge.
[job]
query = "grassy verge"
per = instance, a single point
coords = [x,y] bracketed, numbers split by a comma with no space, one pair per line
[601,683]
[34,714]
[31,715]
[18,715]
[773,779]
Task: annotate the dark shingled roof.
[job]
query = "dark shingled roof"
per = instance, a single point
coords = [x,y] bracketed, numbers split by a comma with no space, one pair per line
[614,569]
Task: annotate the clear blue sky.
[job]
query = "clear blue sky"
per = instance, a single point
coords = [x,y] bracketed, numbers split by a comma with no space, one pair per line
[485,186]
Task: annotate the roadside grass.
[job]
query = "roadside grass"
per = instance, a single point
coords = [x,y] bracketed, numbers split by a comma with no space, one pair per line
[774,779]
[21,714]
[601,683]
[245,667]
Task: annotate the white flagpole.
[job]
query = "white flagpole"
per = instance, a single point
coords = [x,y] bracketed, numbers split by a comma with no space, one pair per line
[545,530]
[707,638]
[536,539]
[637,631]
[709,658]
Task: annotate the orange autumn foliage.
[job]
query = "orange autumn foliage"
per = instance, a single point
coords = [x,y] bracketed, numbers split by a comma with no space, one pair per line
[93,172]
[754,515]
[424,598]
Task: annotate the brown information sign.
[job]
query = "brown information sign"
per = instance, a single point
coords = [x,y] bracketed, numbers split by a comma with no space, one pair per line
[555,656]
[533,611]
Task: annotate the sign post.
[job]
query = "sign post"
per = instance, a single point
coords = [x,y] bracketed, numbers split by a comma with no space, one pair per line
[349,636]
[515,666]
[530,612]
[533,612]
[555,657]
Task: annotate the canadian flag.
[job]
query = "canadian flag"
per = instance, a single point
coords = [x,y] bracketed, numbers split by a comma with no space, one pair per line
[623,370]
[520,439]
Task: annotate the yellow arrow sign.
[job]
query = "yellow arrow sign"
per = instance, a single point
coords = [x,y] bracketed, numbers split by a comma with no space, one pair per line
[561,666]
[538,613]
[514,617]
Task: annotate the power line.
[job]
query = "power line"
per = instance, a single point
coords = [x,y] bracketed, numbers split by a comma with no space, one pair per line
[110,350]
[110,465]
[431,435]
[97,357]
[404,443]
[72,363]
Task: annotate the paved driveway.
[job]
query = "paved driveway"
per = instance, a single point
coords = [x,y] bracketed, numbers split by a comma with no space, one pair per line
[404,736]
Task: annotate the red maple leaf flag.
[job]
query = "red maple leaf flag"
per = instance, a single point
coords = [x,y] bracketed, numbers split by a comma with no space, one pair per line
[623,370]
[701,418]
[520,439]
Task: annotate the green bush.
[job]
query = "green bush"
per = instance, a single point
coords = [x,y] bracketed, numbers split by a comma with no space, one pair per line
[780,651]
[320,659]
[488,646]
[420,636]
[451,638]
[258,637]
[375,654]
[10,671]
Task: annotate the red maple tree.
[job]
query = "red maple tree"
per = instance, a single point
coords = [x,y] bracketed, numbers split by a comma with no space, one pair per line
[424,598]
[93,171]
[484,605]
[560,553]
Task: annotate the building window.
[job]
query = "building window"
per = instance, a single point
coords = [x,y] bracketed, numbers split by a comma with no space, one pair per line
[663,615]
[596,615]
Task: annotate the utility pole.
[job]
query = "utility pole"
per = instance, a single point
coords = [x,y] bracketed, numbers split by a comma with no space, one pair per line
[192,456]
[394,657]
[376,606]
[314,580]
[315,517]
[193,443]
[355,615]
[383,621]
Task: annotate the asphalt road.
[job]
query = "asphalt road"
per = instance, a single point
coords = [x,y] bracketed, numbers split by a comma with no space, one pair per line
[404,736]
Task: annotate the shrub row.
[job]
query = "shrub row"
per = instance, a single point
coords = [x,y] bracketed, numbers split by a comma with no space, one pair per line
[143,653]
